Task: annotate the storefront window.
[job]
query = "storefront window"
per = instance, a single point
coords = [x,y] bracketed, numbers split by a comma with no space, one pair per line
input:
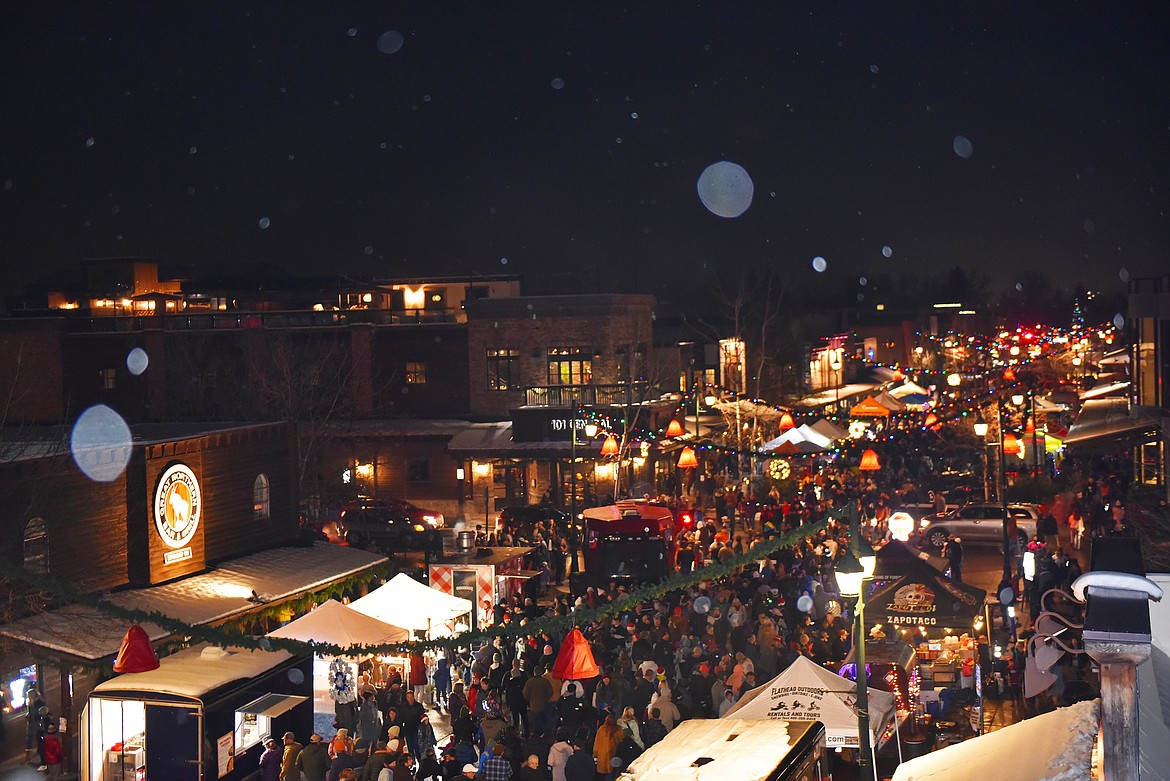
[261,498]
[570,366]
[17,687]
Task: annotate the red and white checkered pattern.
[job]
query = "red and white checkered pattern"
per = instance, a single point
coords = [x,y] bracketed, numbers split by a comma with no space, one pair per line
[442,579]
[485,594]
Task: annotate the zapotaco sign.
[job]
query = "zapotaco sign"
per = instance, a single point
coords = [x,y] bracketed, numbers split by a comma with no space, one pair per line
[178,503]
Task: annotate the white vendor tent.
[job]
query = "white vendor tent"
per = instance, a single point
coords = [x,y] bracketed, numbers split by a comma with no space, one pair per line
[333,622]
[409,604]
[830,430]
[1054,746]
[808,692]
[908,389]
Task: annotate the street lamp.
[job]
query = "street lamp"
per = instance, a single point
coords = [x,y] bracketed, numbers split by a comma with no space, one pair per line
[590,432]
[1007,591]
[851,572]
[835,365]
[981,432]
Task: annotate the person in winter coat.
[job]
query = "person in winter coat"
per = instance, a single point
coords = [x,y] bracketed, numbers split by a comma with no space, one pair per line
[558,756]
[369,727]
[667,711]
[313,761]
[270,761]
[54,756]
[605,745]
[580,765]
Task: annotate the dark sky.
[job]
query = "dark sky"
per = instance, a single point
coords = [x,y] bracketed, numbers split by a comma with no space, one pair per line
[564,141]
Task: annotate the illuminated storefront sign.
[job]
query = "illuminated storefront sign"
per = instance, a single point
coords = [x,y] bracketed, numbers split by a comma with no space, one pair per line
[177,505]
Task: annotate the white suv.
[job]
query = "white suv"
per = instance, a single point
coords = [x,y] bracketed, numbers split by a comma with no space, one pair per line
[979,522]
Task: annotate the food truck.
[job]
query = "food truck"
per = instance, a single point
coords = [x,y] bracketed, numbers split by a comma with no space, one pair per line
[740,749]
[631,541]
[202,715]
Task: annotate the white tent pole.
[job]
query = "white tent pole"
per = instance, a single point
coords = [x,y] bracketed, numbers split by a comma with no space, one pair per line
[897,735]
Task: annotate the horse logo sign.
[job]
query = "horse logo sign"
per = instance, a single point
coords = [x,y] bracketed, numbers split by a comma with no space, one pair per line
[177,504]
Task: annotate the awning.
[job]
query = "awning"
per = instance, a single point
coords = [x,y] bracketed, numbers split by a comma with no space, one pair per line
[1109,389]
[494,440]
[524,574]
[869,408]
[1108,423]
[333,622]
[926,597]
[272,705]
[221,594]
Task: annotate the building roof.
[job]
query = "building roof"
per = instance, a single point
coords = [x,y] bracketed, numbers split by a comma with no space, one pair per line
[219,594]
[1112,423]
[494,556]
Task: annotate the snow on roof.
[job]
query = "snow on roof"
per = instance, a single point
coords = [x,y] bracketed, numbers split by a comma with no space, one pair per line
[741,749]
[1055,746]
[195,671]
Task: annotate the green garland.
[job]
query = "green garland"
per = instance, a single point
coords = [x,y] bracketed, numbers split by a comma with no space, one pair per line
[229,635]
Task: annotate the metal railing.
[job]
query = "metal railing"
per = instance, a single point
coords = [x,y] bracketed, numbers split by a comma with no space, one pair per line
[589,395]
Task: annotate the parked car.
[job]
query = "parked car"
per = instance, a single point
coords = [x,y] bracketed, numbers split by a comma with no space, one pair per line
[432,518]
[979,522]
[384,528]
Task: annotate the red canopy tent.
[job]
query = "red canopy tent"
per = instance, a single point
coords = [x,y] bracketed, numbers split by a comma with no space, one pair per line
[575,661]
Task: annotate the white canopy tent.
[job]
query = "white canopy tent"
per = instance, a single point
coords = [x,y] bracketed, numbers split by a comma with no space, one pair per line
[908,388]
[1054,746]
[808,692]
[333,622]
[409,604]
[827,428]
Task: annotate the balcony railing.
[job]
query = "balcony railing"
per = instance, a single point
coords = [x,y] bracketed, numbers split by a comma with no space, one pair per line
[589,395]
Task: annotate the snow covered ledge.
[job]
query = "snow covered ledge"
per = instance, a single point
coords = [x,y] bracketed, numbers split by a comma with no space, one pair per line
[1117,636]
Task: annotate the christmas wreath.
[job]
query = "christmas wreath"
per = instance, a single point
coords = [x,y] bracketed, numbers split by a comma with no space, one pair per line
[342,682]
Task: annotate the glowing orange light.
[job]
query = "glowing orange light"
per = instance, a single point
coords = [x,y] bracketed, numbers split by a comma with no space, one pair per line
[1011,445]
[686,459]
[869,461]
[610,446]
[931,421]
[675,429]
[1030,426]
[1009,375]
[786,422]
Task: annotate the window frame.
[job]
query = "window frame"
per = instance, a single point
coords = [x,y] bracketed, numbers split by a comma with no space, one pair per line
[261,498]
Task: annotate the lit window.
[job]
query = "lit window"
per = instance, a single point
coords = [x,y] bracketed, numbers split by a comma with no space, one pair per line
[503,369]
[416,373]
[261,498]
[109,379]
[570,365]
[36,546]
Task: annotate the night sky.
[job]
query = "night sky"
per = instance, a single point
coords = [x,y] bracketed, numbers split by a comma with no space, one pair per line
[564,141]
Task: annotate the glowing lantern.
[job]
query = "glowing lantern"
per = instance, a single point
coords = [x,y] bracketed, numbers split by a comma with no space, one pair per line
[610,447]
[869,461]
[1030,426]
[931,421]
[786,422]
[1009,375]
[686,459]
[901,526]
[1011,445]
[675,429]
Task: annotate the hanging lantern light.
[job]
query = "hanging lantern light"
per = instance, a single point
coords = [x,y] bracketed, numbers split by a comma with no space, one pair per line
[1009,375]
[786,422]
[686,459]
[675,429]
[1011,445]
[610,448]
[931,421]
[1030,426]
[869,461]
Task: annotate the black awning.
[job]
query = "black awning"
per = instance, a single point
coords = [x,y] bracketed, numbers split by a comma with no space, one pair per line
[1106,423]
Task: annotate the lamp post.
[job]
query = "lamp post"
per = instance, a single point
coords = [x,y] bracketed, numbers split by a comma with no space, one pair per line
[851,572]
[981,432]
[590,431]
[1007,591]
[835,365]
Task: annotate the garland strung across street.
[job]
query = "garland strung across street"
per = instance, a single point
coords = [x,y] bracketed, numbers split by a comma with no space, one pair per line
[555,625]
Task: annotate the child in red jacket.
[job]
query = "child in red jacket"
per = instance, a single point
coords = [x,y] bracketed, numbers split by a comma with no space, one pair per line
[54,756]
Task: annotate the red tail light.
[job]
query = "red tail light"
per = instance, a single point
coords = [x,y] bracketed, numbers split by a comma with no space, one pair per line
[686,519]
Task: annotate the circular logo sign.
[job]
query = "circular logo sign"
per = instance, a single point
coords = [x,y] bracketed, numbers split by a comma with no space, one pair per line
[177,503]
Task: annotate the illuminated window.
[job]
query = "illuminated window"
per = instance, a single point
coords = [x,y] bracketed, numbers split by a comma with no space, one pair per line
[109,379]
[503,369]
[36,546]
[261,498]
[570,365]
[416,373]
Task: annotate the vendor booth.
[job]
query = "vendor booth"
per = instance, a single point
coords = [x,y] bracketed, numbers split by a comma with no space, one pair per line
[202,714]
[406,603]
[338,624]
[482,576]
[892,667]
[740,749]
[808,692]
[924,598]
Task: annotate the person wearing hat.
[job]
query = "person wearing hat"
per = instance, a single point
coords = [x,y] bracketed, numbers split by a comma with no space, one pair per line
[378,758]
[469,770]
[54,756]
[270,761]
[288,759]
[580,765]
[313,761]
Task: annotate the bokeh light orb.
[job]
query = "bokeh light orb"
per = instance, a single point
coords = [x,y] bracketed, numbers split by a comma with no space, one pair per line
[390,42]
[100,443]
[963,147]
[819,264]
[726,189]
[137,361]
